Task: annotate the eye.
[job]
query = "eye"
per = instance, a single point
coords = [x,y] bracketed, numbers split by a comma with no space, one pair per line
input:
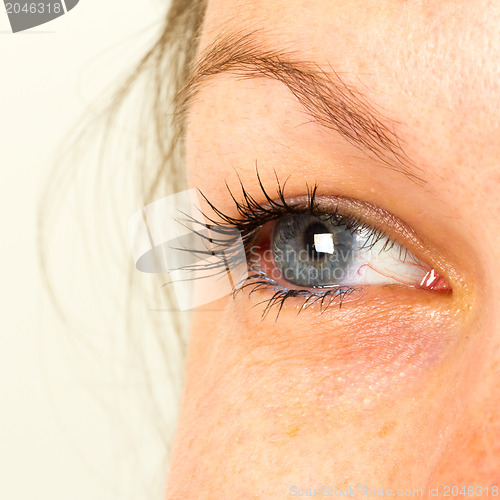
[320,248]
[332,251]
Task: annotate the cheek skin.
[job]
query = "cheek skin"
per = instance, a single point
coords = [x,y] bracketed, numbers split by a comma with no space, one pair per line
[475,456]
[317,398]
[368,350]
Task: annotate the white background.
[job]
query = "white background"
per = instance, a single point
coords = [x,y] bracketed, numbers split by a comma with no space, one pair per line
[55,426]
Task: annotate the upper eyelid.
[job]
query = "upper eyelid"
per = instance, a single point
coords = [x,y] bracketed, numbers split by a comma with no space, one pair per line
[348,208]
[239,213]
[246,203]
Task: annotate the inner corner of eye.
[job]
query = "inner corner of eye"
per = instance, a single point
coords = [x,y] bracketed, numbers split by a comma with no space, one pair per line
[307,251]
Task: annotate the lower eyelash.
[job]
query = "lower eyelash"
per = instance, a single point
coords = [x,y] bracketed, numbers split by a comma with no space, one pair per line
[324,297]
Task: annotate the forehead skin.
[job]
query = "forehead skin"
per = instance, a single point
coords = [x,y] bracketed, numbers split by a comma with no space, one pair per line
[427,64]
[433,69]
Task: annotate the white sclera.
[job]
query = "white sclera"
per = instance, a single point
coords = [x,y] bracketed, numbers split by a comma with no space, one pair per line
[380,265]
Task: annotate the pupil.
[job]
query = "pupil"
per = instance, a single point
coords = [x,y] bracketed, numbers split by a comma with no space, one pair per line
[314,228]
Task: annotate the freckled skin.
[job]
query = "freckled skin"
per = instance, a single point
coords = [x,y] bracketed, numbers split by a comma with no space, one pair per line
[398,388]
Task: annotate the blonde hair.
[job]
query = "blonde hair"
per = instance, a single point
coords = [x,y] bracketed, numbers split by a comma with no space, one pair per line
[152,166]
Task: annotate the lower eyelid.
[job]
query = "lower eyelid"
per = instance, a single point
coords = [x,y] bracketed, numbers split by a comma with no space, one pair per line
[384,347]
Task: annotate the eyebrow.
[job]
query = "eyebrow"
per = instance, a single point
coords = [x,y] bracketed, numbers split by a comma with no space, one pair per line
[326,97]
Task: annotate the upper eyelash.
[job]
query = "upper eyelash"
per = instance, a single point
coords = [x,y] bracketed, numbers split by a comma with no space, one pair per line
[253,215]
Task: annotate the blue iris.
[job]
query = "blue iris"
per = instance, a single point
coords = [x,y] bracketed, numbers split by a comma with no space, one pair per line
[311,250]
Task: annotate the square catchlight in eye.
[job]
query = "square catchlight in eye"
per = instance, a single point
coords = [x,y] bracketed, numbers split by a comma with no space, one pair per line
[205,262]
